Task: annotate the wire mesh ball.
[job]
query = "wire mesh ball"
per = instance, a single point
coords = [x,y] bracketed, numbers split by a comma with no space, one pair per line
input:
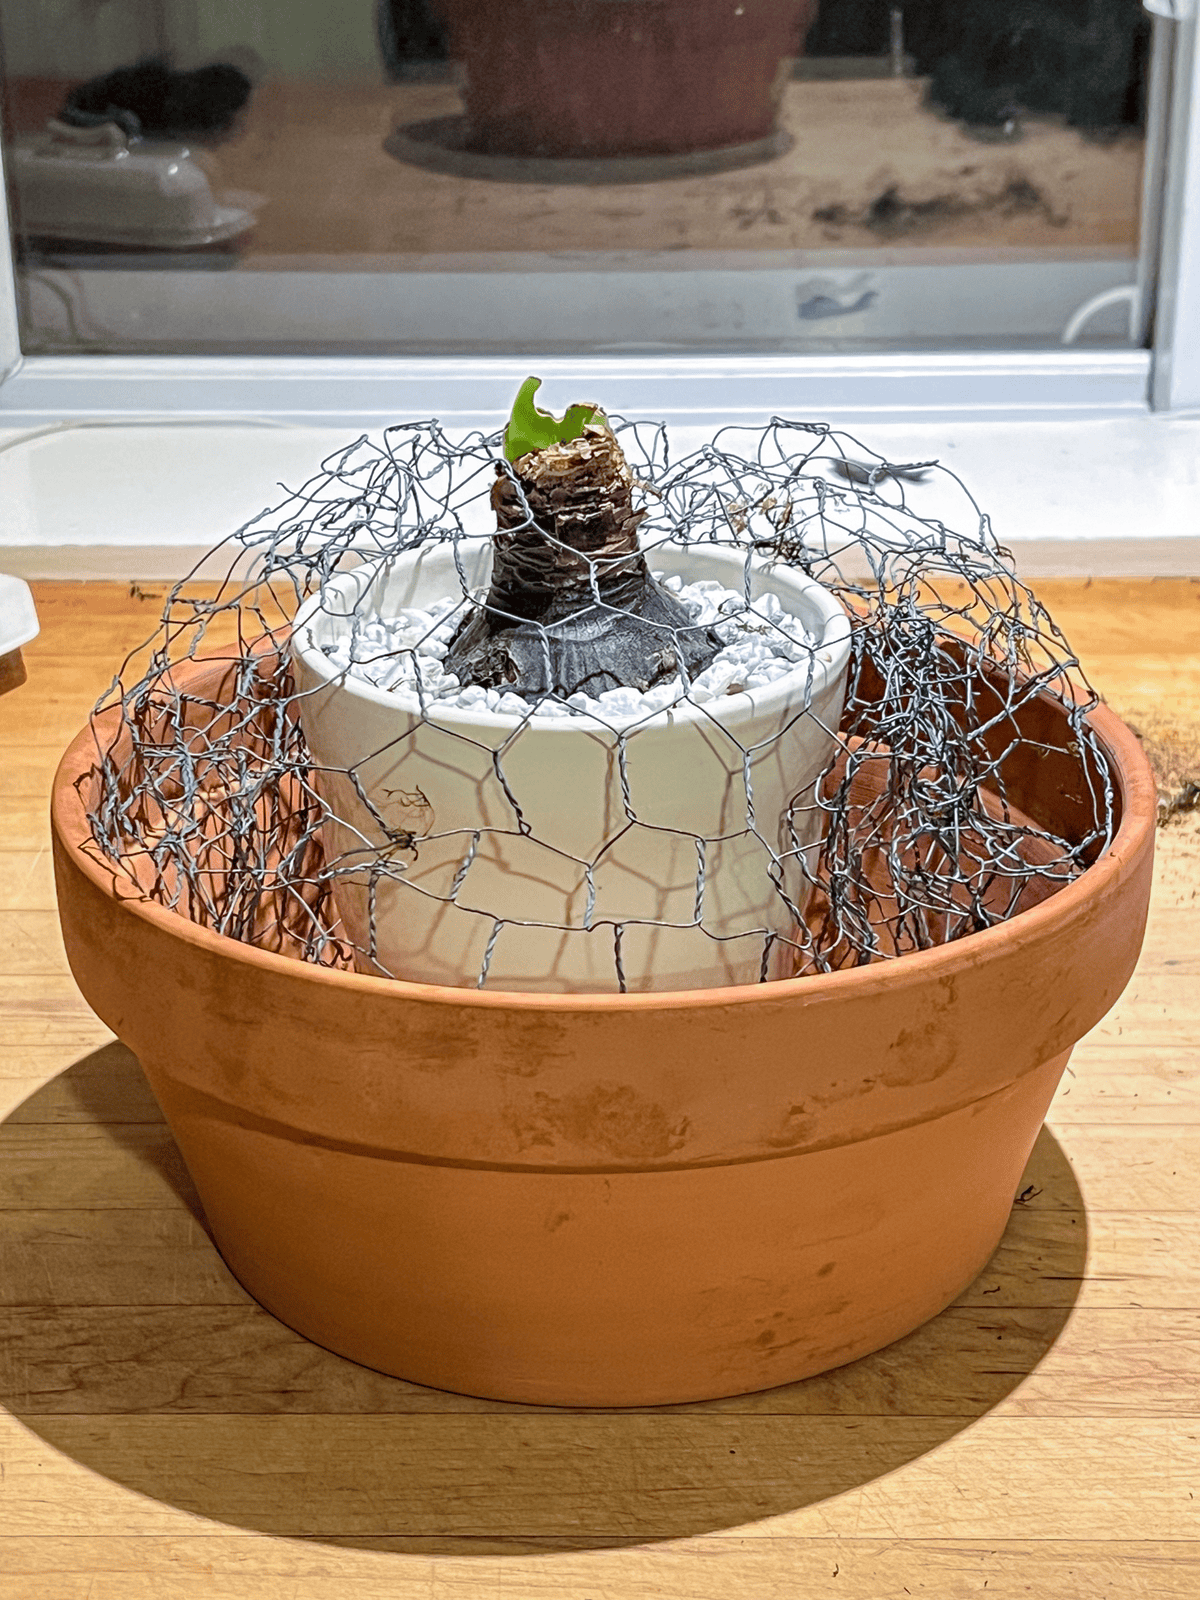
[805,762]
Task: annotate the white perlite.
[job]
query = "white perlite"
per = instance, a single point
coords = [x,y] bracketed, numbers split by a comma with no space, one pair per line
[404,654]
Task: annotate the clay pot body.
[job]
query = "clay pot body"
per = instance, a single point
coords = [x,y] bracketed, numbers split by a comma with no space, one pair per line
[552,795]
[595,78]
[614,1199]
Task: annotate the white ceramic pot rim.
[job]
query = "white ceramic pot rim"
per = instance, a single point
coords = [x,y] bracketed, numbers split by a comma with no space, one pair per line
[829,657]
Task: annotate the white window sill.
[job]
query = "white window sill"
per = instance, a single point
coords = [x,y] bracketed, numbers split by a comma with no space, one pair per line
[1110,493]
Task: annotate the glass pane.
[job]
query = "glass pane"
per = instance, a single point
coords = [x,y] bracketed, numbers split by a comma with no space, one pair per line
[556,175]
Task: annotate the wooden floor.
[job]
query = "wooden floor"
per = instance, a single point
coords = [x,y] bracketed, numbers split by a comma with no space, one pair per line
[163,1437]
[329,194]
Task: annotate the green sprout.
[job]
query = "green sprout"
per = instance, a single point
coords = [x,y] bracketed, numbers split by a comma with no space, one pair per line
[530,428]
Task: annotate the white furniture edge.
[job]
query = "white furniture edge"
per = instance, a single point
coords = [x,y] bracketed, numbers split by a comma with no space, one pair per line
[163,564]
[477,392]
[18,617]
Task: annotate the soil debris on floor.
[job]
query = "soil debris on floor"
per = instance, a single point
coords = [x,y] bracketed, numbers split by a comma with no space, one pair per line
[1173,750]
[892,213]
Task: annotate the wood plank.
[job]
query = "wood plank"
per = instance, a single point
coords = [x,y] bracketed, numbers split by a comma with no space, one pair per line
[27,822]
[26,879]
[12,671]
[622,1477]
[1115,615]
[1118,615]
[755,1562]
[1171,940]
[231,1357]
[68,691]
[1111,617]
[101,643]
[1135,1084]
[105,1084]
[15,1092]
[1159,1009]
[31,945]
[26,773]
[80,1166]
[46,721]
[1123,1168]
[1138,1259]
[66,1037]
[1140,686]
[65,602]
[134,1259]
[41,995]
[68,679]
[95,619]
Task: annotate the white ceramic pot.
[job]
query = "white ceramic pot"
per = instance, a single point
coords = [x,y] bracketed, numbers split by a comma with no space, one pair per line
[543,864]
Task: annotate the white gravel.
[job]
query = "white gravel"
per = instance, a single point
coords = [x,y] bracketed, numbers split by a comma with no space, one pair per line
[763,643]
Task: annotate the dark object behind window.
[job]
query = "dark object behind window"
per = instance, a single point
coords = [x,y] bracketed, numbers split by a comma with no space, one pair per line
[148,98]
[409,32]
[989,60]
[851,28]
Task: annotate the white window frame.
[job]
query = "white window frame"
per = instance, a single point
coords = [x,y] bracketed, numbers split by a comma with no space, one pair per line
[38,391]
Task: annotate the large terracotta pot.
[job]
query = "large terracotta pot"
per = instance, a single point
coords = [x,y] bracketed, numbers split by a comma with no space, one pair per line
[615,1199]
[593,78]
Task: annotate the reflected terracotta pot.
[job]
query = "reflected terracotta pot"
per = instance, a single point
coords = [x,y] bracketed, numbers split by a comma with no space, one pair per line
[614,1199]
[594,78]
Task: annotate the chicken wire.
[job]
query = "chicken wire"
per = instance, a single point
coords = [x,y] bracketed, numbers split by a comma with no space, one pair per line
[206,799]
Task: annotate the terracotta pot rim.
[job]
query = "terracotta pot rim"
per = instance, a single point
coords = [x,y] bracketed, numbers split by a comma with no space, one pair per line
[1132,776]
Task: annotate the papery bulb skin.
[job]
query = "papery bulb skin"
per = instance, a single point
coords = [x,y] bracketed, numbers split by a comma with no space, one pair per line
[572,606]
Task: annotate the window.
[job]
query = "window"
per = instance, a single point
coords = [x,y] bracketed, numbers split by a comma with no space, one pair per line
[904,205]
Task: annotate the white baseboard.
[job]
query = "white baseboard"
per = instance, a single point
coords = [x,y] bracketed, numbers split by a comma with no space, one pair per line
[1108,558]
[1100,496]
[1035,558]
[705,390]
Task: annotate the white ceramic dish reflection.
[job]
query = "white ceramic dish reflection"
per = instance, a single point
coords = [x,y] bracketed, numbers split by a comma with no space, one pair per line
[530,837]
[93,184]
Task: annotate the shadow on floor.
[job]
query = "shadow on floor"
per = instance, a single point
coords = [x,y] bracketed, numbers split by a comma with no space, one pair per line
[127,1345]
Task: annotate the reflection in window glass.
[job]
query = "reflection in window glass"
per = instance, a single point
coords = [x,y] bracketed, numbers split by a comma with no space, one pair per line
[557,175]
